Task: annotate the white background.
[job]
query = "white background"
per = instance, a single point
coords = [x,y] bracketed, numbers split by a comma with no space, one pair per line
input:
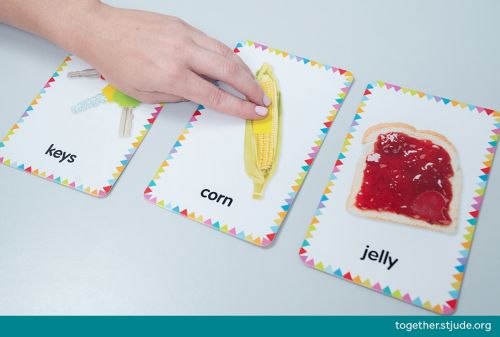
[212,154]
[427,258]
[63,252]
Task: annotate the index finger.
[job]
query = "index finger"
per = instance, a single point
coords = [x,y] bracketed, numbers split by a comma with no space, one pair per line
[226,69]
[203,92]
[214,45]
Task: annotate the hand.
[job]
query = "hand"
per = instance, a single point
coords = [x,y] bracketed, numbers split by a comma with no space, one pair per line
[152,57]
[158,58]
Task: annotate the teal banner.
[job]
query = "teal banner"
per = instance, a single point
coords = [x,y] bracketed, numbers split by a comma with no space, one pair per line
[251,326]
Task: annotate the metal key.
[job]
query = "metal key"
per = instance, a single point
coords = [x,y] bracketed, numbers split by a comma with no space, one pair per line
[108,94]
[126,122]
[126,118]
[89,73]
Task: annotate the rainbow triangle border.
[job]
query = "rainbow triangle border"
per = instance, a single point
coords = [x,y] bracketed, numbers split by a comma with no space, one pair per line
[265,240]
[444,308]
[95,191]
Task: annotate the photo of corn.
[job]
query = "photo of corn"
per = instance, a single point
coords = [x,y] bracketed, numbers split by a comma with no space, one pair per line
[262,137]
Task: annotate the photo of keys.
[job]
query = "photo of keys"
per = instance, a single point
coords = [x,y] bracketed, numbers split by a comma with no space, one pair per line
[108,94]
[90,73]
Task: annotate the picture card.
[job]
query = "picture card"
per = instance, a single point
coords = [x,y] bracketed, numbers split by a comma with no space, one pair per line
[79,131]
[399,212]
[240,177]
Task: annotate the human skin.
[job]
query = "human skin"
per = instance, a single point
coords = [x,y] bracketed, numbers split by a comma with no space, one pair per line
[151,57]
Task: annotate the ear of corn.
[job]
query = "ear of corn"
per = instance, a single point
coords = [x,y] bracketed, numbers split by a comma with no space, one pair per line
[262,137]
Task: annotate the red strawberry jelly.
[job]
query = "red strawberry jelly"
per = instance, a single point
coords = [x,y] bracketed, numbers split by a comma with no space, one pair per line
[407,176]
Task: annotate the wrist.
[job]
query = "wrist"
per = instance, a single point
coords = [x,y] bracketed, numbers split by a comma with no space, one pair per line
[63,22]
[80,25]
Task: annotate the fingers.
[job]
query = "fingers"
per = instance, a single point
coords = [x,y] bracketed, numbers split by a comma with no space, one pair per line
[225,69]
[203,92]
[251,89]
[218,47]
[157,97]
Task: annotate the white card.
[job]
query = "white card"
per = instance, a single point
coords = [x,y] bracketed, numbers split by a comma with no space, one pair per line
[427,265]
[82,150]
[209,158]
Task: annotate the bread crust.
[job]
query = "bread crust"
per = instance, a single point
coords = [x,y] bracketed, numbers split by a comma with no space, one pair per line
[368,141]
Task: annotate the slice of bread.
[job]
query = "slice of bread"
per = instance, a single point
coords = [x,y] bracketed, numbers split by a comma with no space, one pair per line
[368,141]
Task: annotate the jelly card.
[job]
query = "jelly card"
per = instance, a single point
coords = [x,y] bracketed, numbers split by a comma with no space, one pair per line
[79,131]
[241,177]
[399,212]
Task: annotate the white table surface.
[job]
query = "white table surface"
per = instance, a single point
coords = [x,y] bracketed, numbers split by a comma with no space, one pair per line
[63,252]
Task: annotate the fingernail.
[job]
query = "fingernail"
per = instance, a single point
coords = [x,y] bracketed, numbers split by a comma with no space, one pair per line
[267,100]
[261,110]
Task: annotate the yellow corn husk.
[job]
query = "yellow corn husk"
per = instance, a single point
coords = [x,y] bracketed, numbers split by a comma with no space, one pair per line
[262,137]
